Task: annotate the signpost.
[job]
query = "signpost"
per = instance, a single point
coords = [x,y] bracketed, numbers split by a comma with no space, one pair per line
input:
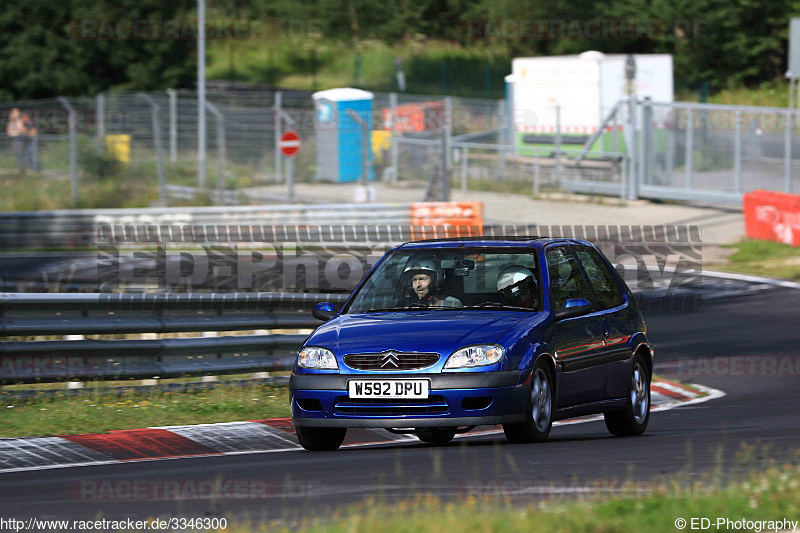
[289,145]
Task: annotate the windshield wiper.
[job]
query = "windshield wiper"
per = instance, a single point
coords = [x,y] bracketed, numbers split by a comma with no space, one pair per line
[494,305]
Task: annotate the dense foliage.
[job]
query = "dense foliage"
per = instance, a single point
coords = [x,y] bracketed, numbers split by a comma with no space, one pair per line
[44,48]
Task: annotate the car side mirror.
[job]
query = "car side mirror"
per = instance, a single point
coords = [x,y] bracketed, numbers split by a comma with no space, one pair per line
[324,311]
[574,307]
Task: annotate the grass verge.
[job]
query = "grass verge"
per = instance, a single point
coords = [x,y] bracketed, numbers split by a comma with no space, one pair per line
[105,410]
[763,258]
[773,494]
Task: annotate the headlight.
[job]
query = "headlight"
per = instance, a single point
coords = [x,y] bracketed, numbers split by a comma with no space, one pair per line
[486,354]
[314,357]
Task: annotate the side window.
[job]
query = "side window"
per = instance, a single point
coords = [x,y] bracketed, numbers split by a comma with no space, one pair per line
[566,279]
[606,291]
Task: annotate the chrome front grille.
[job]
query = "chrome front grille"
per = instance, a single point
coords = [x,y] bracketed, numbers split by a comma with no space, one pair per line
[390,360]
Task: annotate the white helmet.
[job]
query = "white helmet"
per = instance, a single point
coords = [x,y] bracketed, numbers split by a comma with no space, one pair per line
[423,264]
[515,280]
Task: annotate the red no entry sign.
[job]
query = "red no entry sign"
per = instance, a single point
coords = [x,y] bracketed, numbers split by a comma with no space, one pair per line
[289,143]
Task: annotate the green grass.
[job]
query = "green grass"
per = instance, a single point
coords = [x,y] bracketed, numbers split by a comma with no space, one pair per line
[101,411]
[763,258]
[773,494]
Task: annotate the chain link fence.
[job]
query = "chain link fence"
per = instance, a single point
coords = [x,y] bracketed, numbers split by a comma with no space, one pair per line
[121,149]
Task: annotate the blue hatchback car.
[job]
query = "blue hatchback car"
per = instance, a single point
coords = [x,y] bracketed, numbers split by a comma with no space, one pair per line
[445,335]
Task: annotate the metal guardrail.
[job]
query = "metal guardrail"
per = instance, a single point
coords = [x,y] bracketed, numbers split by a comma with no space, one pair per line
[77,229]
[24,361]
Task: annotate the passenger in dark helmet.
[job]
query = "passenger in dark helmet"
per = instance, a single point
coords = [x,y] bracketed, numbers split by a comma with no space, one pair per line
[425,280]
[517,286]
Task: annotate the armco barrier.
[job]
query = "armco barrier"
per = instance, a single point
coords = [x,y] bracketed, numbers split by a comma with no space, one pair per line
[86,314]
[78,229]
[772,216]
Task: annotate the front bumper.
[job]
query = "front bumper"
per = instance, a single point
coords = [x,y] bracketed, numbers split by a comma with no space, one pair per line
[455,399]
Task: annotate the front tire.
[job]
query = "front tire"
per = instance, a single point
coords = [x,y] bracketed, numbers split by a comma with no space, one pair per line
[633,420]
[320,439]
[436,435]
[539,416]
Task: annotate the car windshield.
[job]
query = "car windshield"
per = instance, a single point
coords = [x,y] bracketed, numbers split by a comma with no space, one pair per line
[447,279]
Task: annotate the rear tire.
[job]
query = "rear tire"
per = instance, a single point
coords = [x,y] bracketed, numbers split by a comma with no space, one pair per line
[633,420]
[539,415]
[320,439]
[436,435]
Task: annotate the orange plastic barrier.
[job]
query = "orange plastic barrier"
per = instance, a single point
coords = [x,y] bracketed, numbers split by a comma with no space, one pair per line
[772,216]
[433,220]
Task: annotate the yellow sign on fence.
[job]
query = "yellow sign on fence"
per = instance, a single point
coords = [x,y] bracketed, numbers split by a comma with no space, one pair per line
[119,146]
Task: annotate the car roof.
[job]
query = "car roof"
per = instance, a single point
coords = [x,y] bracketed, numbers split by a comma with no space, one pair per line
[513,241]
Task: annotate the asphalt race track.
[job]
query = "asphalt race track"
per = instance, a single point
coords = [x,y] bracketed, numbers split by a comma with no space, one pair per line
[745,345]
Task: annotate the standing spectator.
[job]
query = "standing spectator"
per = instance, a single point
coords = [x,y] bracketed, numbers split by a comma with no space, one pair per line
[32,144]
[16,131]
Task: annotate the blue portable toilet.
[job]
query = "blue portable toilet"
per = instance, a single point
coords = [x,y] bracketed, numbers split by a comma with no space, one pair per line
[339,136]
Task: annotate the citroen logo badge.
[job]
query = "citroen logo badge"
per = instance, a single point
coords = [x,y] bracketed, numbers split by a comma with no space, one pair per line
[389,359]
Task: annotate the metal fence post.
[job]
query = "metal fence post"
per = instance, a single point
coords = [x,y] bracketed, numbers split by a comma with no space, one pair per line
[737,153]
[646,146]
[501,118]
[536,175]
[173,125]
[395,149]
[446,133]
[557,153]
[154,112]
[632,171]
[464,168]
[689,147]
[670,153]
[100,121]
[787,153]
[278,115]
[73,147]
[220,118]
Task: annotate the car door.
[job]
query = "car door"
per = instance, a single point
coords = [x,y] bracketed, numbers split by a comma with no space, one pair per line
[615,317]
[578,340]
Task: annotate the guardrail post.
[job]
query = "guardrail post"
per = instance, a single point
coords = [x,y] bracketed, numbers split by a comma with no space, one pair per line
[173,125]
[73,147]
[154,112]
[787,153]
[737,153]
[395,149]
[689,155]
[278,114]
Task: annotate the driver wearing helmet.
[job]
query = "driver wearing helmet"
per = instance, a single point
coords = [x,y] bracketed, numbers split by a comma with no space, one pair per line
[517,286]
[425,280]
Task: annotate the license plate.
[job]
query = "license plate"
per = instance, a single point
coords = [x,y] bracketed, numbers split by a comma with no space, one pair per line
[394,388]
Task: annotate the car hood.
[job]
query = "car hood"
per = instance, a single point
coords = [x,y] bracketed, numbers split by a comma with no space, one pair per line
[424,331]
